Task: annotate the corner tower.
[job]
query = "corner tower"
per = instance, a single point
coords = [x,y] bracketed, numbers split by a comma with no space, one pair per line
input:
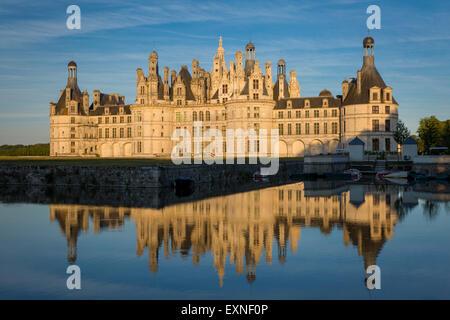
[368,97]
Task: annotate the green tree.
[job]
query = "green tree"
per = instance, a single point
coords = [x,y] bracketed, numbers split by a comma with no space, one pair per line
[445,134]
[429,133]
[401,132]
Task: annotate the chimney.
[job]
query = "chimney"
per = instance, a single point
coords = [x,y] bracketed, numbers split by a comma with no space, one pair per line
[86,102]
[96,99]
[344,89]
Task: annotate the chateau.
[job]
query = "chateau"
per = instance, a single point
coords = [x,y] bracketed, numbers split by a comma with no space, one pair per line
[237,96]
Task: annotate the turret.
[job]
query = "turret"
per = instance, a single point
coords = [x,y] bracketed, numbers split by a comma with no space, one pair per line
[281,77]
[249,57]
[166,84]
[72,74]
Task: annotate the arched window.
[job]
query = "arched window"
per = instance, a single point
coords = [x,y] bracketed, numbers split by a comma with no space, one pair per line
[208,116]
[201,116]
[194,116]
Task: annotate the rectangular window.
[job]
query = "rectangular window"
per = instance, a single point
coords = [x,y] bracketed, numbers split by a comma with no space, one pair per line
[139,131]
[248,112]
[72,120]
[375,144]
[298,128]
[325,128]
[280,114]
[255,96]
[129,132]
[316,113]
[107,120]
[114,133]
[99,120]
[280,129]
[307,128]
[387,125]
[387,144]
[106,132]
[325,113]
[225,88]
[129,119]
[256,112]
[122,132]
[375,125]
[375,96]
[297,114]
[289,128]
[289,114]
[100,132]
[334,128]
[334,113]
[139,147]
[387,110]
[139,116]
[316,128]
[307,114]
[375,110]
[121,119]
[178,116]
[114,120]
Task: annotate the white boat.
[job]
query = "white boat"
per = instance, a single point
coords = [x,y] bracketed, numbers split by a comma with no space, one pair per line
[397,174]
[400,181]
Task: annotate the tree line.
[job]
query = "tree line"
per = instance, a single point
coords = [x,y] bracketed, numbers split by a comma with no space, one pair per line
[39,149]
[432,132]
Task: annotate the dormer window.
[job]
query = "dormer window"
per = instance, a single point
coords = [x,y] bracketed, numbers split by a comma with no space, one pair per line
[325,102]
[289,104]
[387,94]
[121,110]
[375,94]
[255,84]
[307,105]
[107,110]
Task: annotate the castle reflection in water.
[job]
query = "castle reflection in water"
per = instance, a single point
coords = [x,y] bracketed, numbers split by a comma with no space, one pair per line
[245,227]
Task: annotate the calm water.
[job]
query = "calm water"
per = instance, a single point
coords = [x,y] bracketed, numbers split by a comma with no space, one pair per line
[295,241]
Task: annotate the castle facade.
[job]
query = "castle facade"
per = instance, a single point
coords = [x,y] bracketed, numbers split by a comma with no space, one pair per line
[241,95]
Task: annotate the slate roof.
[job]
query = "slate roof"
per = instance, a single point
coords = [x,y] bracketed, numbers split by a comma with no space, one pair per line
[76,95]
[369,78]
[314,102]
[113,110]
[276,89]
[356,142]
[410,140]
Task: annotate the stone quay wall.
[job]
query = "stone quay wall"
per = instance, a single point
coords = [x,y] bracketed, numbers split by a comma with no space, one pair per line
[137,177]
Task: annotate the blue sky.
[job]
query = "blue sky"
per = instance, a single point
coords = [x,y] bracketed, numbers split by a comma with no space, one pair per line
[321,40]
